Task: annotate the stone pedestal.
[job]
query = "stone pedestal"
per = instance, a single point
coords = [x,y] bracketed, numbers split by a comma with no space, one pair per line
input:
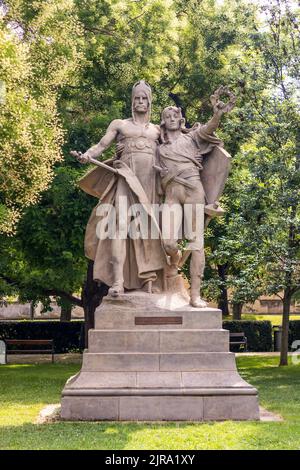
[154,357]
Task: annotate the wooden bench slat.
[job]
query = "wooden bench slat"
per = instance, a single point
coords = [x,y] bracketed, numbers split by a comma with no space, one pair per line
[29,341]
[49,343]
[30,351]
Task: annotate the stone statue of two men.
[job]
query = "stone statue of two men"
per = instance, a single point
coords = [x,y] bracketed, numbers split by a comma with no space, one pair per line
[166,166]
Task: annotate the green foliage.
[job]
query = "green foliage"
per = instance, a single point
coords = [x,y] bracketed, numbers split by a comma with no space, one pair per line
[68,335]
[273,153]
[30,136]
[69,66]
[258,333]
[52,235]
[259,242]
[81,59]
[46,256]
[122,43]
[210,37]
[37,56]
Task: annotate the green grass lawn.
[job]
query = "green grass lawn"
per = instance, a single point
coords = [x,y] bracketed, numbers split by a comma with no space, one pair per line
[26,389]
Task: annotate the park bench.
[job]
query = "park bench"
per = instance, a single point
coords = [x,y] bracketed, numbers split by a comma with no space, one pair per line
[30,346]
[236,340]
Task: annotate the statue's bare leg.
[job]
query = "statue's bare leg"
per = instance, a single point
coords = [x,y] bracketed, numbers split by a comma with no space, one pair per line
[194,232]
[172,216]
[196,272]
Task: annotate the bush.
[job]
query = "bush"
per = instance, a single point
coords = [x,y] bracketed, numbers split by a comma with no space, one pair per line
[67,336]
[258,333]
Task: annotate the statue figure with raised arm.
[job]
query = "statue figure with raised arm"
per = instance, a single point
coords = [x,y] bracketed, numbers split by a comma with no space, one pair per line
[124,262]
[194,168]
[154,353]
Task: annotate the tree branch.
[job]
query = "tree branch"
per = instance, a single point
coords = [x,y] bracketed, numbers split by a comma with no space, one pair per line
[65,295]
[50,292]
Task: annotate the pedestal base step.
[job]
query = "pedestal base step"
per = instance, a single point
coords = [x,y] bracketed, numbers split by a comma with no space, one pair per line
[160,408]
[153,357]
[85,382]
[163,362]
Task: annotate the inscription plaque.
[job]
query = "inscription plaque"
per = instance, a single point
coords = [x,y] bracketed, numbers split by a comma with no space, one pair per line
[158,320]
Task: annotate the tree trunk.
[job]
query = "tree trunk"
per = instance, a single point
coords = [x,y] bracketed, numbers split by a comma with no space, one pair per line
[237,310]
[92,294]
[288,292]
[66,311]
[223,300]
[285,327]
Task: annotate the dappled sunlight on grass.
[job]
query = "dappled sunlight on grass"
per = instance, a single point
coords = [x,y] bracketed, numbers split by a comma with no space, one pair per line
[26,389]
[245,362]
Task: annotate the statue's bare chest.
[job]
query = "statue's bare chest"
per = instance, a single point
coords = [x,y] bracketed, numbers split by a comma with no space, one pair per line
[131,130]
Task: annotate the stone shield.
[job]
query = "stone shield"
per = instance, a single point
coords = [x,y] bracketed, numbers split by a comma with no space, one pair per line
[216,166]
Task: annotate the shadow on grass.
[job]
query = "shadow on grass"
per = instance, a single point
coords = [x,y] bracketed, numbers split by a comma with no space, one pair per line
[139,436]
[64,435]
[25,387]
[279,387]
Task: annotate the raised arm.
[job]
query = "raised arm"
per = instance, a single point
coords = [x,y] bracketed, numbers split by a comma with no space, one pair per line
[219,108]
[96,150]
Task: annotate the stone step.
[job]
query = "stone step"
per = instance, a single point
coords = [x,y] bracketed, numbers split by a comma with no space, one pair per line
[125,341]
[215,379]
[205,319]
[154,357]
[119,362]
[161,408]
